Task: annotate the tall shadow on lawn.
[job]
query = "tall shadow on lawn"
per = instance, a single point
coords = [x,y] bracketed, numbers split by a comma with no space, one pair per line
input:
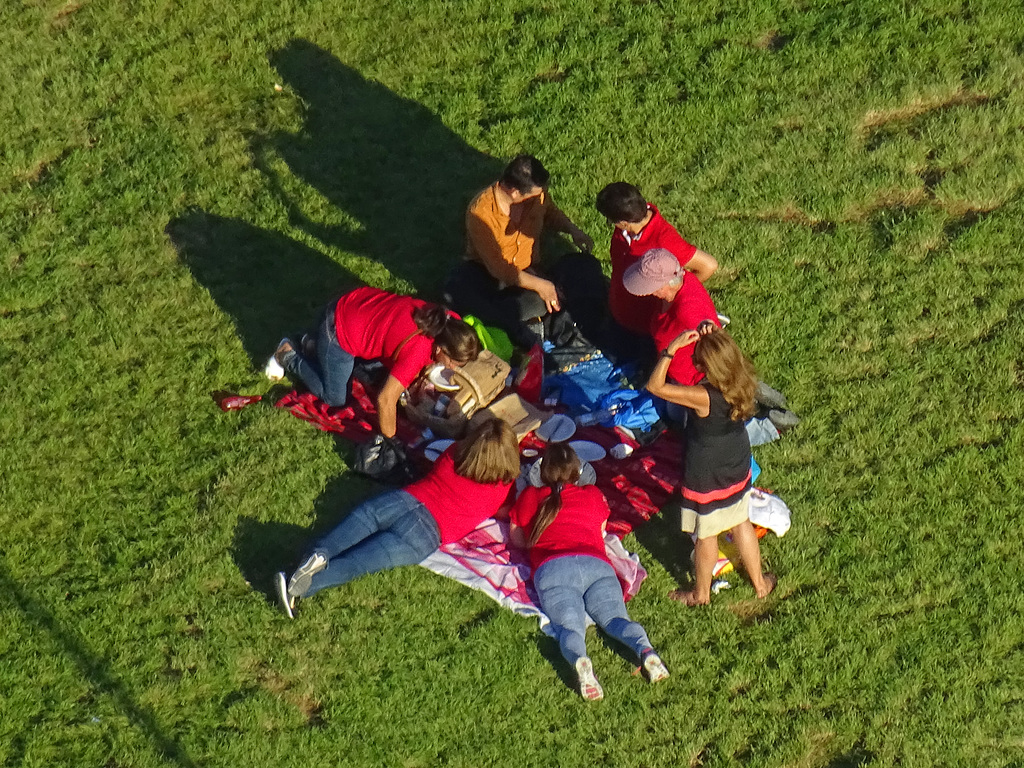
[269,284]
[393,168]
[94,669]
[387,162]
[261,549]
[549,649]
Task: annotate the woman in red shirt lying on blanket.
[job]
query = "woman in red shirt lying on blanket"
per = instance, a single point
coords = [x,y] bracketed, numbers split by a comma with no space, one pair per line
[408,334]
[469,483]
[563,525]
[716,470]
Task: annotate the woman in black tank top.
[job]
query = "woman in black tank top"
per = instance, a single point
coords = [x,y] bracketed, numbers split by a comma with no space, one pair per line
[716,471]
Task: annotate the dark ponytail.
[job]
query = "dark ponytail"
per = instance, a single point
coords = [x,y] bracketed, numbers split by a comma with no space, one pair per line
[561,465]
[430,319]
[453,337]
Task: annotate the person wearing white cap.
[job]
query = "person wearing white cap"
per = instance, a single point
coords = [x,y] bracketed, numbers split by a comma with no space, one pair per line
[686,305]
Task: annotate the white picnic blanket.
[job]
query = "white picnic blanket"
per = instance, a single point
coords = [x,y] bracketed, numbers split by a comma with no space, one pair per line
[483,561]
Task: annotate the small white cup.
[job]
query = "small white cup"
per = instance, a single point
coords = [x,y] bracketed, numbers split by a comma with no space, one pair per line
[621,451]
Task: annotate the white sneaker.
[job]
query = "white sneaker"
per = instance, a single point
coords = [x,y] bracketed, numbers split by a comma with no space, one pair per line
[655,667]
[590,689]
[302,579]
[287,601]
[273,370]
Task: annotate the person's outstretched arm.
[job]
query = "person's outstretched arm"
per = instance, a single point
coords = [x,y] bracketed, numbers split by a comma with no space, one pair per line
[702,264]
[556,218]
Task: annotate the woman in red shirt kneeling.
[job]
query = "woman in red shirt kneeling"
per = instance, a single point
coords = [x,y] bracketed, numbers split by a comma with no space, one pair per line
[406,333]
[469,483]
[563,525]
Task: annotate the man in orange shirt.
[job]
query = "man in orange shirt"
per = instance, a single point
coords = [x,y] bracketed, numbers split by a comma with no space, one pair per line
[499,281]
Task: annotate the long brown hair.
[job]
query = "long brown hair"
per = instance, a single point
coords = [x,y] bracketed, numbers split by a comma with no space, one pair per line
[452,336]
[561,465]
[488,454]
[728,370]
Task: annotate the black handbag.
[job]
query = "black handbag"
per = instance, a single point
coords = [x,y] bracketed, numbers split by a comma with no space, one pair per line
[384,460]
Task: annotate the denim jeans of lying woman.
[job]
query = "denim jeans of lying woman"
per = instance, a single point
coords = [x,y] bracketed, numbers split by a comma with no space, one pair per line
[571,587]
[328,376]
[384,532]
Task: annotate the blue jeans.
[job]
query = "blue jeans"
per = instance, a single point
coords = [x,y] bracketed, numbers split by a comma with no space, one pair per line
[384,532]
[329,376]
[572,586]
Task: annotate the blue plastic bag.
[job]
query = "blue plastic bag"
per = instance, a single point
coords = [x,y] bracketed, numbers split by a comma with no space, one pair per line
[632,408]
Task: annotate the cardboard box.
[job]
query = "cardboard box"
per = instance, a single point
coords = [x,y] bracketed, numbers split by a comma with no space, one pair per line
[514,411]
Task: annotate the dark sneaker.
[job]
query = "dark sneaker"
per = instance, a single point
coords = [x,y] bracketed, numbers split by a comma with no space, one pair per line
[286,600]
[302,579]
[782,419]
[770,397]
[308,346]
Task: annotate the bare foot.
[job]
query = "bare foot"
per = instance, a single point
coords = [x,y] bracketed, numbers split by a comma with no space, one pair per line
[768,583]
[687,597]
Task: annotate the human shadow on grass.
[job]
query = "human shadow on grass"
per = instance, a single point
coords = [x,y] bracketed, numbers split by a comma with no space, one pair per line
[855,758]
[262,548]
[390,165]
[93,669]
[269,284]
[663,538]
[386,162]
[549,649]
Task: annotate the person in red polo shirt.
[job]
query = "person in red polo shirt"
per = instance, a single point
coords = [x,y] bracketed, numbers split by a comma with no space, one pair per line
[681,303]
[406,333]
[640,227]
[686,306]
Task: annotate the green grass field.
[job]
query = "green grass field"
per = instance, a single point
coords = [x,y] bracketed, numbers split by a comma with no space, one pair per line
[182,181]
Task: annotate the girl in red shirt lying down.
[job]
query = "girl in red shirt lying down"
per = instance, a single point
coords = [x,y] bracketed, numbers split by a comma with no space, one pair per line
[563,526]
[469,483]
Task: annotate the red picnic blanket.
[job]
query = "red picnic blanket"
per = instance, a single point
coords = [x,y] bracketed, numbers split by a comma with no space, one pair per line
[636,487]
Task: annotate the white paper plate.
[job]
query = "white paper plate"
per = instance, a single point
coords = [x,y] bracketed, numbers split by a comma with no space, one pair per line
[588,476]
[588,451]
[436,448]
[557,429]
[441,378]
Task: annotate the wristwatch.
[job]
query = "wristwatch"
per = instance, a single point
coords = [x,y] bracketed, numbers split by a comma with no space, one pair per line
[667,354]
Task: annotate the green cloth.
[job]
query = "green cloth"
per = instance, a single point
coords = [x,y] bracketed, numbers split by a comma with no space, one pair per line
[494,339]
